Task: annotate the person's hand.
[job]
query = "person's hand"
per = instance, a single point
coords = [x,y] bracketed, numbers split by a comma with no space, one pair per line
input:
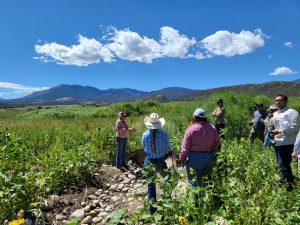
[131,129]
[294,156]
[275,132]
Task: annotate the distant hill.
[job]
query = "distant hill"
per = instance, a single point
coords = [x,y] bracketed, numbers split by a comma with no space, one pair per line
[298,80]
[269,89]
[172,92]
[77,94]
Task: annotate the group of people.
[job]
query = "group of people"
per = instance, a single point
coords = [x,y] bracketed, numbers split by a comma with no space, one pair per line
[199,145]
[202,140]
[279,128]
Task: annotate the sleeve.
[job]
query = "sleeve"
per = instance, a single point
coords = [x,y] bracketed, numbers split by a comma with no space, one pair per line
[269,122]
[293,128]
[167,144]
[143,142]
[117,125]
[185,146]
[297,145]
[222,112]
[217,141]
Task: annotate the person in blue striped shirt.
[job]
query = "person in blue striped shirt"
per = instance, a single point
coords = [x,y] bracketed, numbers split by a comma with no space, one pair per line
[156,144]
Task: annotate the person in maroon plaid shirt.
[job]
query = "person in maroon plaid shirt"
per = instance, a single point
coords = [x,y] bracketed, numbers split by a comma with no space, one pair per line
[121,133]
[199,145]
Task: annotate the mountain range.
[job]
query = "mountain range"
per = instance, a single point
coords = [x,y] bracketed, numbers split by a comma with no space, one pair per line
[77,94]
[66,94]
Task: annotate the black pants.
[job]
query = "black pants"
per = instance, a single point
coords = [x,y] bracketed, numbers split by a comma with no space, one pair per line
[284,159]
[219,128]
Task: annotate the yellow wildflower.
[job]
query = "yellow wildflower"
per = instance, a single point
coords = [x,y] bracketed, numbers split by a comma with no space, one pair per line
[182,220]
[21,221]
[15,222]
[35,204]
[194,180]
[192,171]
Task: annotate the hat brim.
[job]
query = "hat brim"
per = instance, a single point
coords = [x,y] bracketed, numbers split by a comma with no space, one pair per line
[157,125]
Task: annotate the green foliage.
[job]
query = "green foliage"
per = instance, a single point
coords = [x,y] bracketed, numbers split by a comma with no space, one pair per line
[46,150]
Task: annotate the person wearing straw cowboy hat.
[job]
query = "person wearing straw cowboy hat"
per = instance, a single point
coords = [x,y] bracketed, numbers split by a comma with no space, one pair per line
[156,145]
[200,142]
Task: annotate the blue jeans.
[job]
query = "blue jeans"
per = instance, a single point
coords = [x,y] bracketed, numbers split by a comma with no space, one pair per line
[121,153]
[284,159]
[160,166]
[199,165]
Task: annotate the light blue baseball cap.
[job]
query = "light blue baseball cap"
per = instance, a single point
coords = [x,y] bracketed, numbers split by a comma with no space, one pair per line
[200,113]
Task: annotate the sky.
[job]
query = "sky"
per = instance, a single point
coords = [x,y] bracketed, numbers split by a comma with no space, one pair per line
[146,45]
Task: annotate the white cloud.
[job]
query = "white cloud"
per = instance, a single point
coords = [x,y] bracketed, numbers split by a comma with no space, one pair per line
[174,44]
[131,46]
[230,44]
[128,45]
[19,88]
[88,51]
[288,44]
[282,71]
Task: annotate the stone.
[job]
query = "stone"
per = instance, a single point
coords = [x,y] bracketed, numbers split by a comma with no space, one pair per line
[83,204]
[96,202]
[126,181]
[87,208]
[131,177]
[60,217]
[92,197]
[78,214]
[97,219]
[65,211]
[103,214]
[87,220]
[115,198]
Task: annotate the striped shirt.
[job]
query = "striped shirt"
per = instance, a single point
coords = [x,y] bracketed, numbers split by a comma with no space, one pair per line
[121,129]
[199,138]
[162,144]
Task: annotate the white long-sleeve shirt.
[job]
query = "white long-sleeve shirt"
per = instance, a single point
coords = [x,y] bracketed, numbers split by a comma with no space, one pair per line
[286,122]
[297,145]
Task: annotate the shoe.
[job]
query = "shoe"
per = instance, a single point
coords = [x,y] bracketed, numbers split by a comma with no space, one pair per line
[126,167]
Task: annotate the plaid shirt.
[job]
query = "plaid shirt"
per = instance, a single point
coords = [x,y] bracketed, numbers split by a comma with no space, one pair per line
[199,138]
[121,129]
[162,143]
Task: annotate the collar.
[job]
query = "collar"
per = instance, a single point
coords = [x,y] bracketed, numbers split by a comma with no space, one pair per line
[283,110]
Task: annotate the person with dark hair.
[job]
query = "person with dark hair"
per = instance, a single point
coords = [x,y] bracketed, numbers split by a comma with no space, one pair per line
[219,114]
[199,145]
[156,145]
[285,121]
[121,133]
[258,126]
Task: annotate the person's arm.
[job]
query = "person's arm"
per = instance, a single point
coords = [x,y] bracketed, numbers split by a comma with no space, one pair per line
[269,121]
[220,113]
[143,142]
[293,128]
[185,146]
[214,113]
[297,145]
[167,144]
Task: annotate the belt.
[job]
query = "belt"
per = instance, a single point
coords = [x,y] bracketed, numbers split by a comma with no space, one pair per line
[202,151]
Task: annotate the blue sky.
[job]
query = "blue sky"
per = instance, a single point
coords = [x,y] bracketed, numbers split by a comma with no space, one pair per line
[146,45]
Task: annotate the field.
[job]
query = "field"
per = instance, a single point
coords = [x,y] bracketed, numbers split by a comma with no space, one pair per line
[47,150]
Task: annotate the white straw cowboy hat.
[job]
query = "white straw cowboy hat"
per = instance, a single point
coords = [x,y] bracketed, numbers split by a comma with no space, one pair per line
[154,122]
